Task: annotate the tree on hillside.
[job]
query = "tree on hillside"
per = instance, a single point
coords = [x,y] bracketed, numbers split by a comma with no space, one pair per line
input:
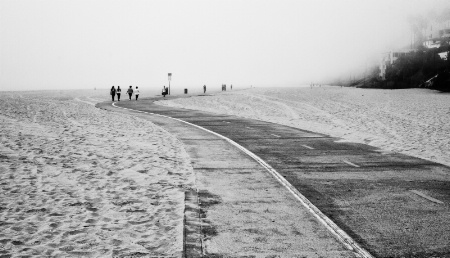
[413,69]
[444,15]
[418,24]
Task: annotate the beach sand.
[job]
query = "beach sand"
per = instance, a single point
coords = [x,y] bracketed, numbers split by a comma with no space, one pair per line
[415,122]
[79,181]
[76,180]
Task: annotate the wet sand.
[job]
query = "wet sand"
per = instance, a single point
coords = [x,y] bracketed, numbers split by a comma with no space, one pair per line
[79,181]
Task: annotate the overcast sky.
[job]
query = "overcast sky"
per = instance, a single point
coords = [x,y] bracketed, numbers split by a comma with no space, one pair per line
[99,43]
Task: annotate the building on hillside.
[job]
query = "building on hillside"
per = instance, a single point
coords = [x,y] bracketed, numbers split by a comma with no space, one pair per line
[389,58]
[443,55]
[444,32]
[435,33]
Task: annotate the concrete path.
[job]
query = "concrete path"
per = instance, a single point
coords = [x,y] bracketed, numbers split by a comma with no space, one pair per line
[246,211]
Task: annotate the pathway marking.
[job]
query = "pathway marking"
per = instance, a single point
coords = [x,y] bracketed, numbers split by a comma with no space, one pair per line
[429,198]
[340,234]
[275,135]
[350,163]
[226,122]
[308,147]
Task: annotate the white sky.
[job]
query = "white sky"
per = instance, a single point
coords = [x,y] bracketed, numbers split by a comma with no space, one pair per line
[63,44]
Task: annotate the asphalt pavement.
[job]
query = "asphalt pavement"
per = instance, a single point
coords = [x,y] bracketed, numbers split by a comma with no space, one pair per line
[391,205]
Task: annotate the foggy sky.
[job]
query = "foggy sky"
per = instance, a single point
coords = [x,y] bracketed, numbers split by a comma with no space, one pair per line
[63,44]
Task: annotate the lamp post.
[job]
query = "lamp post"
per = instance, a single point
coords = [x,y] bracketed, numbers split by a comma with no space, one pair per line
[170,77]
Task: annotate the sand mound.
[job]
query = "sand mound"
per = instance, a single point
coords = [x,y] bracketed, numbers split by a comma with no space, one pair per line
[77,180]
[412,121]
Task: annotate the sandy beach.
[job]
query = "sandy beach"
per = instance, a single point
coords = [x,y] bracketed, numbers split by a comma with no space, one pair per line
[410,121]
[77,180]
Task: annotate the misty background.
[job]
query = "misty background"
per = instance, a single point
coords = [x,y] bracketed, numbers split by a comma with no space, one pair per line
[64,44]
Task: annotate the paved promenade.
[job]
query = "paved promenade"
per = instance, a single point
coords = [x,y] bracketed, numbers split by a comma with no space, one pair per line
[390,204]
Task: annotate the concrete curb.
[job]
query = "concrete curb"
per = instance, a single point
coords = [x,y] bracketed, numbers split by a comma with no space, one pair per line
[192,238]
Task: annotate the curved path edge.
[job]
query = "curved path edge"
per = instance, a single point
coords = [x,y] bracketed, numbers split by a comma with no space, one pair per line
[332,227]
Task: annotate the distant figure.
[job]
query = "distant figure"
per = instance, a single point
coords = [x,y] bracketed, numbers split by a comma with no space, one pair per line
[118,91]
[164,91]
[136,93]
[130,92]
[231,86]
[204,89]
[112,92]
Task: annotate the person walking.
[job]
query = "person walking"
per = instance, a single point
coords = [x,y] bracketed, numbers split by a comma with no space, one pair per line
[164,91]
[112,92]
[136,93]
[130,92]
[204,89]
[118,92]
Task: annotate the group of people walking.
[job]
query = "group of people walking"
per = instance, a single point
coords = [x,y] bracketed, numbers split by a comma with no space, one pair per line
[113,92]
[224,87]
[130,91]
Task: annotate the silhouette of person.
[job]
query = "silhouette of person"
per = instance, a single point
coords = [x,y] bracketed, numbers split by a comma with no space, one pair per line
[130,92]
[112,92]
[118,92]
[136,92]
